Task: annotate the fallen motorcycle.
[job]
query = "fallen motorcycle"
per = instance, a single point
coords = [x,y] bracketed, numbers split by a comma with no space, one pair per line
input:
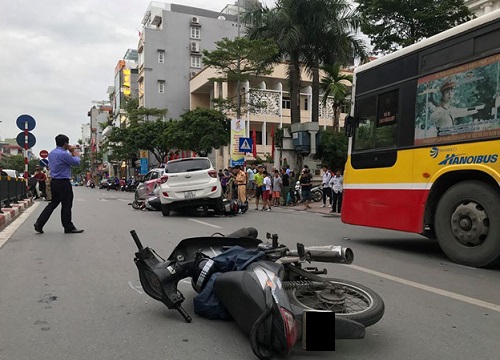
[264,287]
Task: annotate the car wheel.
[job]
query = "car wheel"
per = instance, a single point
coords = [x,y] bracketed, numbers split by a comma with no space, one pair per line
[165,210]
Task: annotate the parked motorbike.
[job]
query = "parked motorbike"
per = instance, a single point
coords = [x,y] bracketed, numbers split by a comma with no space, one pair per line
[317,193]
[264,287]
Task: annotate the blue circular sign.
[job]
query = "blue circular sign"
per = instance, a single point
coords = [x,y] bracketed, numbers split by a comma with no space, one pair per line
[44,162]
[26,119]
[21,140]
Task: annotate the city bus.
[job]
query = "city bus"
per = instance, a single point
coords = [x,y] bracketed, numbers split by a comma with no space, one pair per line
[424,142]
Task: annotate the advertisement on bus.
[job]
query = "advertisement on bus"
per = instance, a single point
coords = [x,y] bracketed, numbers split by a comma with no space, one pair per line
[459,104]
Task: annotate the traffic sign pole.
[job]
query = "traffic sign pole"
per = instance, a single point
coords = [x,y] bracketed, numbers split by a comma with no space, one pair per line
[26,123]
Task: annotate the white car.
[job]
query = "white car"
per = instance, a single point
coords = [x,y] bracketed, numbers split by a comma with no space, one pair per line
[190,183]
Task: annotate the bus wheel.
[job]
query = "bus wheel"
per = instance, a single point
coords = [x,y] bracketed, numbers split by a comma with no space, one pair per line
[467,224]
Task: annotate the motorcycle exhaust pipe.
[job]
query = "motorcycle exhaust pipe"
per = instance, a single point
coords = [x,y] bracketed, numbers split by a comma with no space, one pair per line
[327,253]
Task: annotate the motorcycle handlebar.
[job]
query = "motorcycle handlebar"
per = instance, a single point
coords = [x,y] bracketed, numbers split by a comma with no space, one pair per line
[327,253]
[136,239]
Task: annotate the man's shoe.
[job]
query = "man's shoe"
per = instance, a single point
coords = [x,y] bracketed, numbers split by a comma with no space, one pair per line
[73,231]
[323,205]
[38,228]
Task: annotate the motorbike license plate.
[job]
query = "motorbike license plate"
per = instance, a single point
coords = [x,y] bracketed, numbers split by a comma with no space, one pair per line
[318,332]
[189,194]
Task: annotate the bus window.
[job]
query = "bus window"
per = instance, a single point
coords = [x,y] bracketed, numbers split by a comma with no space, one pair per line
[374,129]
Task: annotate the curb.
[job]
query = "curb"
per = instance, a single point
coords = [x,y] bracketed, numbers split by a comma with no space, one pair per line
[11,213]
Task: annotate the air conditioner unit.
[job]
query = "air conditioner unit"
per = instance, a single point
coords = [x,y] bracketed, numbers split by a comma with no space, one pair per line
[195,20]
[195,47]
[193,73]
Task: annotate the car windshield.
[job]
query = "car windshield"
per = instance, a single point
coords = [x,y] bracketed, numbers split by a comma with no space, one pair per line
[187,166]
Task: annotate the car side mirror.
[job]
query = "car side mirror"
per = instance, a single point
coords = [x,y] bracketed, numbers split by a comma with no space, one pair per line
[349,125]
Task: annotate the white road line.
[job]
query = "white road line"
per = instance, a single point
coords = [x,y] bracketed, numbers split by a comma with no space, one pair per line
[204,223]
[8,230]
[431,289]
[135,288]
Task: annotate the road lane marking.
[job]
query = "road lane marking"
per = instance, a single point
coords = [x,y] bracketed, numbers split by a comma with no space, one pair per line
[11,227]
[205,223]
[431,289]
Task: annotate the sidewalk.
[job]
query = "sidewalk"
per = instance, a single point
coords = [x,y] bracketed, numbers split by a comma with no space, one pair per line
[315,208]
[9,214]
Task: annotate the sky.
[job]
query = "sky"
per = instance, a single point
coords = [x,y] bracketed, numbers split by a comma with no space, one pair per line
[60,55]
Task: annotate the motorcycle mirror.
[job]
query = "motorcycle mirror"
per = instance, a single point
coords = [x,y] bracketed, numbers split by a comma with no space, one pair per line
[301,251]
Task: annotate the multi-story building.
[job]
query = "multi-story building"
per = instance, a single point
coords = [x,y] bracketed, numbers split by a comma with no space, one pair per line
[170,52]
[481,7]
[267,108]
[99,116]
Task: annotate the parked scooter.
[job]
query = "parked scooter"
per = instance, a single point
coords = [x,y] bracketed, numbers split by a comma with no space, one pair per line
[263,286]
[317,193]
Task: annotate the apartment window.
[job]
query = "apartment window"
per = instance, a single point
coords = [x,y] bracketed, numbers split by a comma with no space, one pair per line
[161,56]
[306,104]
[195,61]
[195,32]
[161,86]
[285,103]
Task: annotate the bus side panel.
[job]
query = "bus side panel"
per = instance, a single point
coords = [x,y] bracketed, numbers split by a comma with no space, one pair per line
[385,197]
[385,208]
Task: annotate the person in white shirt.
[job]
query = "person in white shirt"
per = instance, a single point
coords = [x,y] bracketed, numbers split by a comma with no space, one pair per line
[337,185]
[327,190]
[266,196]
[251,182]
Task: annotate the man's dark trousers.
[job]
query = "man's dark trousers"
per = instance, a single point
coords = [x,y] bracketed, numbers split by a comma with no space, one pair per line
[62,192]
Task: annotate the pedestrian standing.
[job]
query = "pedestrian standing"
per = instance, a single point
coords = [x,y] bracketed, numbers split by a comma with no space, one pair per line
[277,186]
[327,190]
[251,182]
[337,184]
[306,185]
[266,192]
[259,189]
[241,183]
[285,188]
[61,159]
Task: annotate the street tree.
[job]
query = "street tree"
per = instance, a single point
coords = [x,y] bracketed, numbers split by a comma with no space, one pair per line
[199,130]
[237,60]
[336,85]
[308,34]
[149,136]
[282,24]
[332,149]
[393,24]
[331,36]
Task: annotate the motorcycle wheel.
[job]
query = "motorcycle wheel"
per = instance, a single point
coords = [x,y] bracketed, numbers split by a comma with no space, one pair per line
[346,298]
[317,196]
[136,204]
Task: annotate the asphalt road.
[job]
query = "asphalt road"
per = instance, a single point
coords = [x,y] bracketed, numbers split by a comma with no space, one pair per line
[78,296]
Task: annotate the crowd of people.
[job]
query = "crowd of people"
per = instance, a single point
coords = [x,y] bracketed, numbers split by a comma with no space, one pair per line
[277,187]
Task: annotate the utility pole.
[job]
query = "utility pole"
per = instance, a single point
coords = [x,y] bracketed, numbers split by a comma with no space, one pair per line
[238,99]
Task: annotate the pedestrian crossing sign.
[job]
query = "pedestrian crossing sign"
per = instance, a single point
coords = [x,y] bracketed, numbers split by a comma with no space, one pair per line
[245,145]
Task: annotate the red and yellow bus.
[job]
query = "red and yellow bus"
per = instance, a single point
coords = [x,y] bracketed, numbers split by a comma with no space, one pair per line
[424,142]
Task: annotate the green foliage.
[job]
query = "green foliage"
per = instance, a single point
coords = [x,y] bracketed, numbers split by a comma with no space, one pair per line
[240,58]
[16,162]
[392,24]
[199,130]
[142,133]
[278,138]
[308,33]
[332,150]
[336,85]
